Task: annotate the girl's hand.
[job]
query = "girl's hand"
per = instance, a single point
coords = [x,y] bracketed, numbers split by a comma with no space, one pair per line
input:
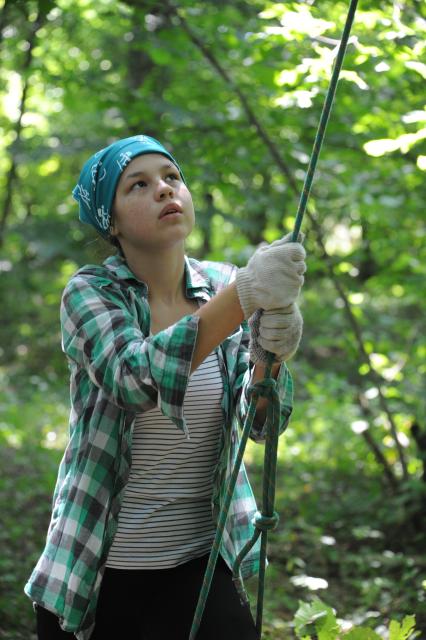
[278,331]
[272,278]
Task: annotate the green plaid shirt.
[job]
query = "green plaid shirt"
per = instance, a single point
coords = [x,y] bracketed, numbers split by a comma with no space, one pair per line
[117,370]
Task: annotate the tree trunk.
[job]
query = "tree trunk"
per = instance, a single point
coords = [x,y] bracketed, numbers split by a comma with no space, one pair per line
[140,63]
[12,173]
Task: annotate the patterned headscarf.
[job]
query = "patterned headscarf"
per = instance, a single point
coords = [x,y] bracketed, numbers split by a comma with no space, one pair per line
[95,190]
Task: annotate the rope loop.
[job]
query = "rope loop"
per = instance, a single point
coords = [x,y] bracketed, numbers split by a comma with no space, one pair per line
[265,523]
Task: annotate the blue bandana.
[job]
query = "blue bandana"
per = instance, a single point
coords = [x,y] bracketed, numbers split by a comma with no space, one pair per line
[99,177]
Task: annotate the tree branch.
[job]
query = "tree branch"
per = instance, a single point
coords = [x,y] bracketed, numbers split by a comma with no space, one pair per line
[284,167]
[372,444]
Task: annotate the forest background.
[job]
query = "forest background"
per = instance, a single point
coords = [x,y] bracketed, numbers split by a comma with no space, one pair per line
[235,90]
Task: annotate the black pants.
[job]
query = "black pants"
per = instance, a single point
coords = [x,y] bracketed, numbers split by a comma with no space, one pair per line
[160,604]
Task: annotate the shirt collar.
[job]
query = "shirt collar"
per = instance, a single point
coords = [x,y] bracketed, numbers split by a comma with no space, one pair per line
[119,268]
[196,280]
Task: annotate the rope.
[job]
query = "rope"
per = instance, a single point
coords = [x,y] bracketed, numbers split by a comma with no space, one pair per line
[267,519]
[328,103]
[265,388]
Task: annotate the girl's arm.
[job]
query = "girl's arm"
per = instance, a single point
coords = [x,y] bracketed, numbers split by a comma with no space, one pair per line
[218,319]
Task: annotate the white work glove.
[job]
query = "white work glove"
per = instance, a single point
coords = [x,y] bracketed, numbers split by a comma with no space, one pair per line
[273,276]
[278,331]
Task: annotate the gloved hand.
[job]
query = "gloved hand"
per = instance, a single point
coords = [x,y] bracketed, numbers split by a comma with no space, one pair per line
[273,276]
[278,331]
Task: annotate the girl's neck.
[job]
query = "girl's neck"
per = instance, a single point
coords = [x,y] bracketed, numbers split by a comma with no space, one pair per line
[162,271]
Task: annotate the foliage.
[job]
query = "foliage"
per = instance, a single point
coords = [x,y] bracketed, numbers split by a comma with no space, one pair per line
[235,90]
[318,616]
[318,620]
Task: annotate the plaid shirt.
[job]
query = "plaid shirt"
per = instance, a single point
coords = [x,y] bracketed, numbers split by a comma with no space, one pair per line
[117,370]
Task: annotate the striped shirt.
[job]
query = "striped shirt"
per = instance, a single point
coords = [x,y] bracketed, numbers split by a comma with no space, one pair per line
[116,371]
[166,515]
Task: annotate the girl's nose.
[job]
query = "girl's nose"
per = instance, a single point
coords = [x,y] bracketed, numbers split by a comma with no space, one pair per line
[164,189]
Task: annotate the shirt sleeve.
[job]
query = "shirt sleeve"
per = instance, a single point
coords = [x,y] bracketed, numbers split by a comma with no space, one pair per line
[102,334]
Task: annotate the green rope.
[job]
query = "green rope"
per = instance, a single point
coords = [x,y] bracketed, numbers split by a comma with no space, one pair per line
[267,519]
[328,103]
[265,388]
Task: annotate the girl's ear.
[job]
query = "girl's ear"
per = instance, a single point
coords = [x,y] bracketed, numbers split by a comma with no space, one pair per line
[113,231]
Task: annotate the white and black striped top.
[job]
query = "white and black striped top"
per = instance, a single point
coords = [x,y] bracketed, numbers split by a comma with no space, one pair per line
[166,516]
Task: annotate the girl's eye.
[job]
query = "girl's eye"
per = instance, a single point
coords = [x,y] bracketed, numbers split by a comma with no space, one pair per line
[139,184]
[173,176]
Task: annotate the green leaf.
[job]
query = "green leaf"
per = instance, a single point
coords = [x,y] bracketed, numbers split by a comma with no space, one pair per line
[361,633]
[307,614]
[403,630]
[319,615]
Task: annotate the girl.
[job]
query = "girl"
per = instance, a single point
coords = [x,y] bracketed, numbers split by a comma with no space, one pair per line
[160,358]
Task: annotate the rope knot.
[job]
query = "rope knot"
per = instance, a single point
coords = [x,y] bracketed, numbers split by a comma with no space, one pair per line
[266,388]
[265,523]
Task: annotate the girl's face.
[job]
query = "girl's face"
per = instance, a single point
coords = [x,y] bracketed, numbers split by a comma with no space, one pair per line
[153,208]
